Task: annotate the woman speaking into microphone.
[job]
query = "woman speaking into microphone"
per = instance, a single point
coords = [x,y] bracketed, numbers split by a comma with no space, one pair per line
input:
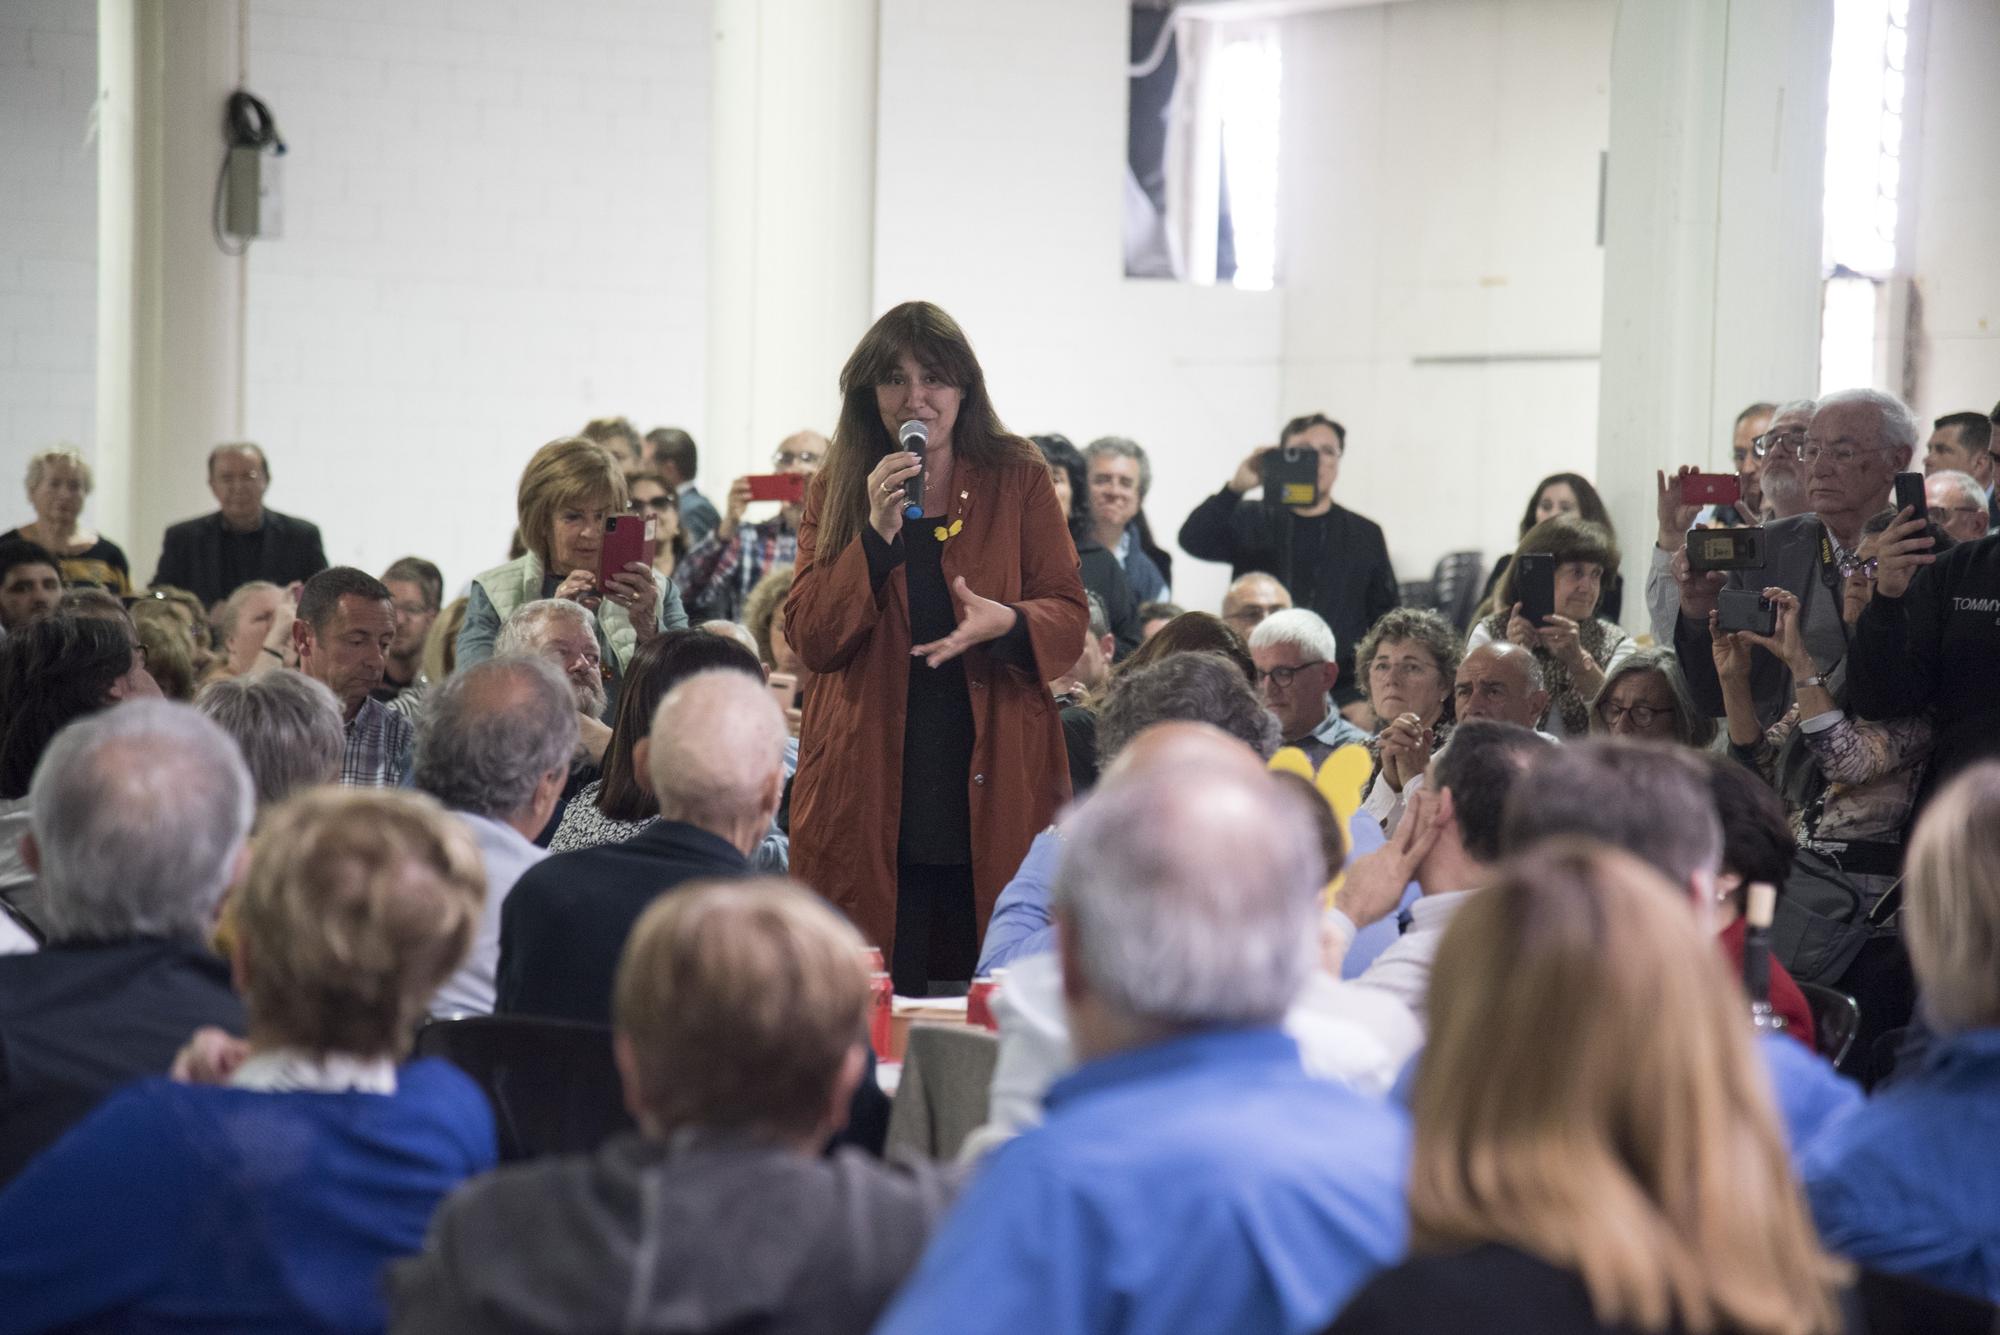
[936,592]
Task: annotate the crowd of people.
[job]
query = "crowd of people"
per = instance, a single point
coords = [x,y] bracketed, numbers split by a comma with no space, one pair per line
[1358,964]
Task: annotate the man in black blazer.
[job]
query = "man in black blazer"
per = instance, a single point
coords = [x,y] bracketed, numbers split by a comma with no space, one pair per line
[212,556]
[1333,560]
[715,758]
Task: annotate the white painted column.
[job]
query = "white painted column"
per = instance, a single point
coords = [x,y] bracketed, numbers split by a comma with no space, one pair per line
[169,345]
[792,218]
[1712,237]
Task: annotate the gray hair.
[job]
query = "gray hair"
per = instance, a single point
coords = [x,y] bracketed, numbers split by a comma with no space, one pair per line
[525,631]
[718,740]
[1651,799]
[732,630]
[1301,627]
[1693,726]
[1187,687]
[1968,485]
[1190,897]
[139,813]
[1898,424]
[287,725]
[1100,620]
[65,453]
[490,732]
[1806,407]
[1124,448]
[232,607]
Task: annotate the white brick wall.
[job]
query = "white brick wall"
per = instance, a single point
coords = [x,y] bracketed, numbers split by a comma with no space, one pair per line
[494,230]
[48,235]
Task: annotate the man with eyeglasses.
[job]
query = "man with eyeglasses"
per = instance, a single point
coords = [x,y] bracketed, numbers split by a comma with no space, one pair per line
[1298,664]
[214,555]
[1858,441]
[1958,503]
[1781,485]
[1331,559]
[1751,423]
[418,589]
[716,576]
[1964,442]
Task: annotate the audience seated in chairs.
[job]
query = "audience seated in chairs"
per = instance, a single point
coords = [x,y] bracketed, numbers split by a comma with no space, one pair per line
[1154,616]
[1581,1166]
[30,583]
[739,1009]
[1577,644]
[1500,682]
[142,813]
[274,1197]
[1560,494]
[286,724]
[1409,664]
[1645,697]
[494,746]
[1655,802]
[715,759]
[1298,666]
[345,626]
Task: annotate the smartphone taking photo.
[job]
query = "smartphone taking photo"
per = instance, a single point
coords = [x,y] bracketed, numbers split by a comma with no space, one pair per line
[1535,586]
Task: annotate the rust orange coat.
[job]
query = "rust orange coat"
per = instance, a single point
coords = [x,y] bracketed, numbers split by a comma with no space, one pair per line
[1013,547]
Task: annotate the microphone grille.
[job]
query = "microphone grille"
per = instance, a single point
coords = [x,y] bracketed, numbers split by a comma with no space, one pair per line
[913,433]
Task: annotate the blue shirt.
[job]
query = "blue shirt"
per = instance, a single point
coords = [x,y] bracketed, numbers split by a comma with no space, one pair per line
[1910,1181]
[1021,924]
[1201,1184]
[1365,836]
[190,1207]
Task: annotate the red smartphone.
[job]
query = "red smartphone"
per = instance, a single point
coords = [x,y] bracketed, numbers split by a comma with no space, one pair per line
[627,538]
[789,488]
[1711,489]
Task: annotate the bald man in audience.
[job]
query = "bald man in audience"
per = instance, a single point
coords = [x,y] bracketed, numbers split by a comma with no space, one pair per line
[1958,503]
[1500,682]
[715,758]
[1190,1175]
[1252,598]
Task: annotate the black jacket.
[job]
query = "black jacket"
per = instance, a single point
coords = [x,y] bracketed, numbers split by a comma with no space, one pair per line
[1105,577]
[191,556]
[565,921]
[1352,585]
[78,1021]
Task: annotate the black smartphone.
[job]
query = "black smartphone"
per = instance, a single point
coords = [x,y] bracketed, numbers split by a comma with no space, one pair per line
[1291,476]
[1745,609]
[1725,548]
[1535,586]
[1910,492]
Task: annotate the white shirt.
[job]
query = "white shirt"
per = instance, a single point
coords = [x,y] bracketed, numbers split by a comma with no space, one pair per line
[1404,969]
[290,1071]
[1358,1036]
[507,856]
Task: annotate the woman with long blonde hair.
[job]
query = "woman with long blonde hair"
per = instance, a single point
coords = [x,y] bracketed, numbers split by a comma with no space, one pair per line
[1596,1147]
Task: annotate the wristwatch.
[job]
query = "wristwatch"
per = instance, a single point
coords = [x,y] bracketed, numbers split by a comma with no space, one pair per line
[1814,680]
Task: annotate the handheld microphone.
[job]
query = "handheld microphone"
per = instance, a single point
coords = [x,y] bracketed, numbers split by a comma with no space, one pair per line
[913,435]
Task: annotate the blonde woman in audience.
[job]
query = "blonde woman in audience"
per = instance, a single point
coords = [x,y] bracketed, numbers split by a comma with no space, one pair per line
[440,657]
[764,618]
[274,1198]
[59,482]
[1599,1154]
[568,490]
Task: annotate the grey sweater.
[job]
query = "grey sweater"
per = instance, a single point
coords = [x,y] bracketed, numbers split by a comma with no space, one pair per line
[722,1235]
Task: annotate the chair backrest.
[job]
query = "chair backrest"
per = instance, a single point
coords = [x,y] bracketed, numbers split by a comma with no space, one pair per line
[942,1096]
[1836,1019]
[553,1083]
[1455,586]
[1416,593]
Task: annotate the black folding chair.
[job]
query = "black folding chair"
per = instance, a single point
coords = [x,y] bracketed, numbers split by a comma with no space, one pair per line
[553,1083]
[1836,1019]
[1455,586]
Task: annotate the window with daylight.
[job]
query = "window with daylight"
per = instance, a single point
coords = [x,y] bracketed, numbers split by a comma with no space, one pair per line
[1201,178]
[1867,90]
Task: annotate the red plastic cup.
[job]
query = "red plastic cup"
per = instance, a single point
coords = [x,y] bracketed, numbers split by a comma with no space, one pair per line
[979,1003]
[881,1002]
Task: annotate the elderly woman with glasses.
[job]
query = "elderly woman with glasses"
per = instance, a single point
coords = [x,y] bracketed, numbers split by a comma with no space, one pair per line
[1409,660]
[1646,697]
[1576,647]
[569,489]
[716,578]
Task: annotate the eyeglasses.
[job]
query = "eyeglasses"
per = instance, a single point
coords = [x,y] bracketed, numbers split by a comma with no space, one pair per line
[1973,511]
[1839,455]
[803,459]
[1641,715]
[1772,441]
[657,504]
[1863,566]
[1283,675]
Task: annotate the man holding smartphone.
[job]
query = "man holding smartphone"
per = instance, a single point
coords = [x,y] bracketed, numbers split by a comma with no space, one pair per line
[716,576]
[1858,441]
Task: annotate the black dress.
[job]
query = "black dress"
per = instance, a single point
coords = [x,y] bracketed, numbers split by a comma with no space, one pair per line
[937,928]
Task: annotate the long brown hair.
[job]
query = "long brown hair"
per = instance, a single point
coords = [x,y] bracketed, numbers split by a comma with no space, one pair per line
[662,663]
[860,440]
[1590,1095]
